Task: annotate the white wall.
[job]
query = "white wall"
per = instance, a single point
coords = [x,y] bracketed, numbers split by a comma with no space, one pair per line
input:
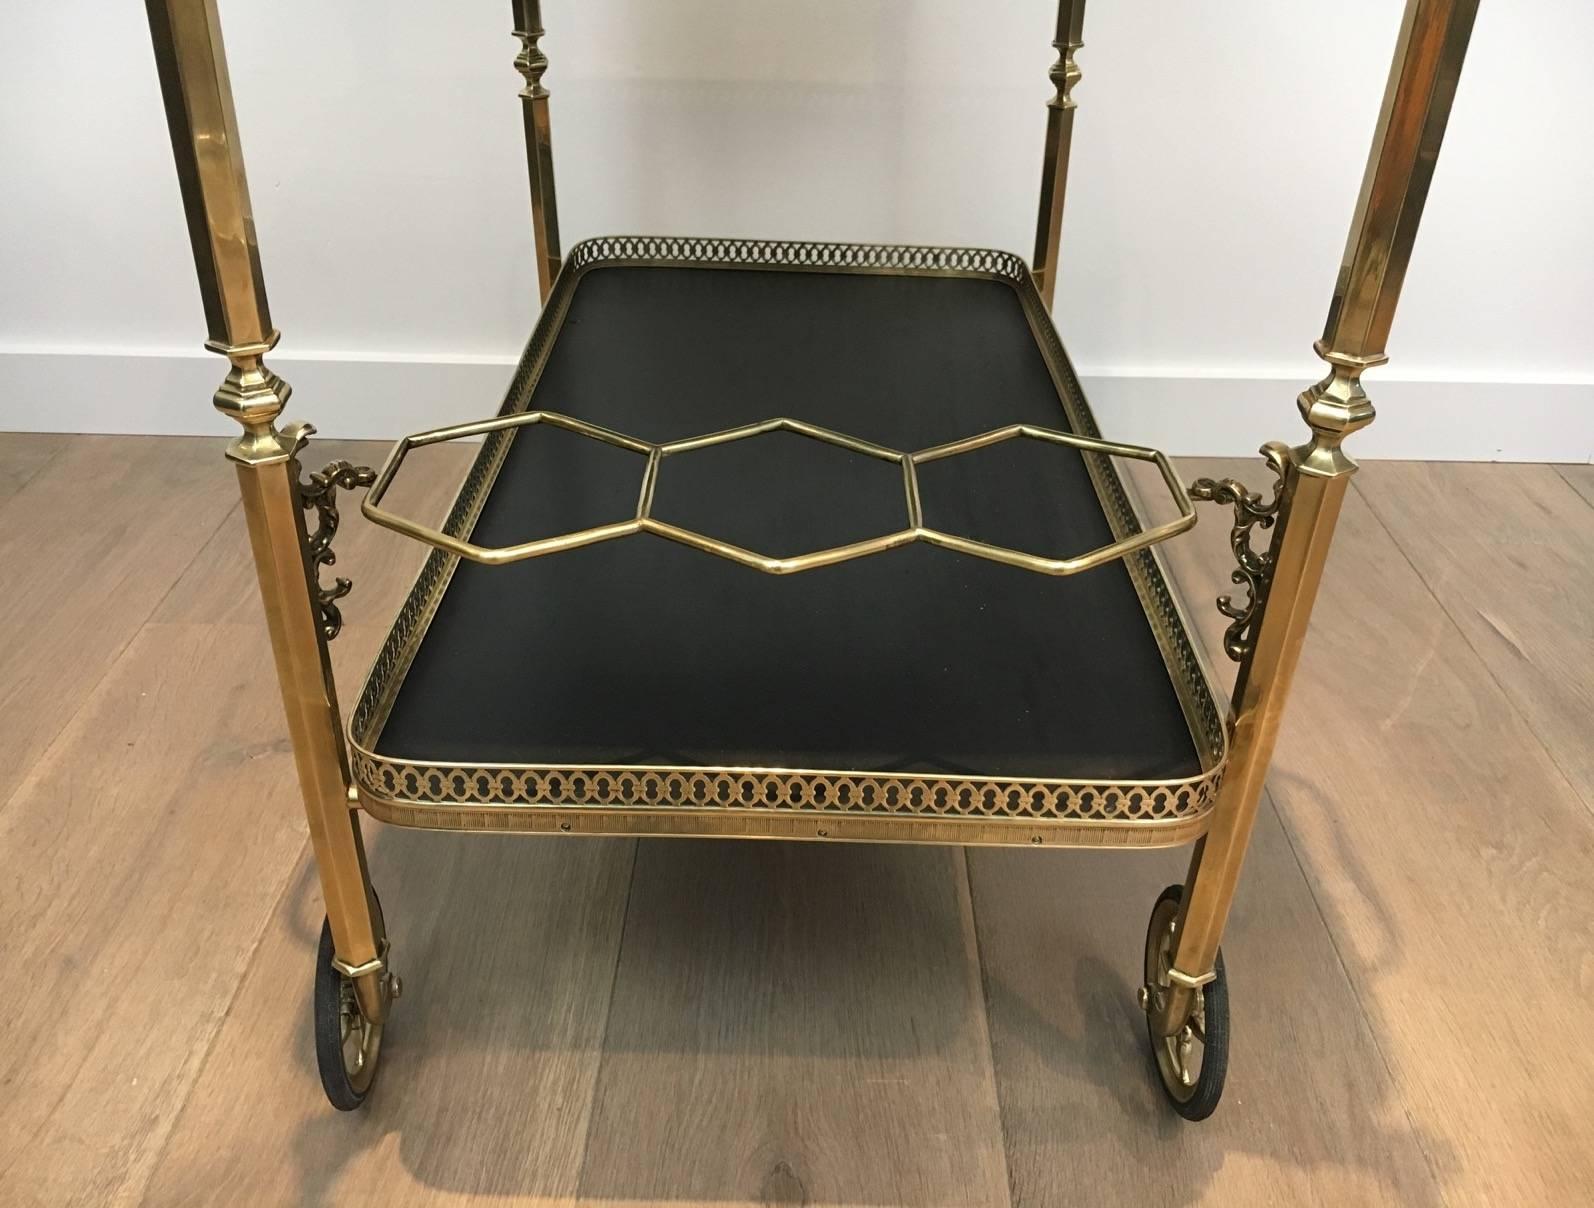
[1218,148]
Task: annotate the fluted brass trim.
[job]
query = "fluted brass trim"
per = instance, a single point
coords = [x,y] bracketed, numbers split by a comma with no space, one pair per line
[783,823]
[784,803]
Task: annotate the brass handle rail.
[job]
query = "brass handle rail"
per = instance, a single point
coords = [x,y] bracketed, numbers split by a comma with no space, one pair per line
[645,522]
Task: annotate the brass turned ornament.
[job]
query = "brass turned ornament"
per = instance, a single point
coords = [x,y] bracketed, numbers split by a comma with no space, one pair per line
[1207,794]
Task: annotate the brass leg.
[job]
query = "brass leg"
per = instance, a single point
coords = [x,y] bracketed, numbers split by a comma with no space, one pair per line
[1311,503]
[531,63]
[199,111]
[1411,125]
[268,478]
[1065,74]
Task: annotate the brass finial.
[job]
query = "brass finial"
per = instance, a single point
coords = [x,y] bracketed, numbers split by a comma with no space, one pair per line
[254,396]
[1065,74]
[531,62]
[1334,408]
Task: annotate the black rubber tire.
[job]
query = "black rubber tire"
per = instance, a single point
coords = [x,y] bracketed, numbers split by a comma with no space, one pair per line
[1215,1051]
[340,1091]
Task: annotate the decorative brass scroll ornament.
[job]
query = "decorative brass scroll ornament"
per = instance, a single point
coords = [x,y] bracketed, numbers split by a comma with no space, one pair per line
[1255,569]
[320,492]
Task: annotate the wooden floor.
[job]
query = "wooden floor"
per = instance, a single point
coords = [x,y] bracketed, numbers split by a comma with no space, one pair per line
[620,1022]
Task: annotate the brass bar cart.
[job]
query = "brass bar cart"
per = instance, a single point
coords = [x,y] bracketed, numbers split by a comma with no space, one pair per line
[842,555]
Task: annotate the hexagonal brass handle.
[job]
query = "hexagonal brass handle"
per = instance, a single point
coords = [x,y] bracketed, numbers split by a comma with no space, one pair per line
[644,522]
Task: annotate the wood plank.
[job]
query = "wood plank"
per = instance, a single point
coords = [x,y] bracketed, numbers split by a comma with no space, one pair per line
[1580,479]
[142,857]
[796,1023]
[1508,550]
[24,454]
[507,949]
[94,540]
[1309,1115]
[135,812]
[1450,857]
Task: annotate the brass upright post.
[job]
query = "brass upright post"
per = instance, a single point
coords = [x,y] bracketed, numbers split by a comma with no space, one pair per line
[1411,124]
[1065,74]
[531,63]
[204,131]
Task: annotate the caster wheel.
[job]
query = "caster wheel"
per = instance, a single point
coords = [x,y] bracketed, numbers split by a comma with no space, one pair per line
[1193,1062]
[347,1044]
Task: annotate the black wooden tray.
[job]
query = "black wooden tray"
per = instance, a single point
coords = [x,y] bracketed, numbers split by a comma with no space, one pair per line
[644,686]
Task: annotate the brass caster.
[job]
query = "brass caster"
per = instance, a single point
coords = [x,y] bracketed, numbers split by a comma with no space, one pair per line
[347,1044]
[1192,1063]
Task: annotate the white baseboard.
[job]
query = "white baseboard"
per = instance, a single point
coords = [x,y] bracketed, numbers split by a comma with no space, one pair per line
[1417,420]
[382,397]
[168,393]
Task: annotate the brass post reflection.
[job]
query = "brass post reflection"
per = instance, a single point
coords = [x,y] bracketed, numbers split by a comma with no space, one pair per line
[1422,84]
[531,63]
[199,111]
[1065,74]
